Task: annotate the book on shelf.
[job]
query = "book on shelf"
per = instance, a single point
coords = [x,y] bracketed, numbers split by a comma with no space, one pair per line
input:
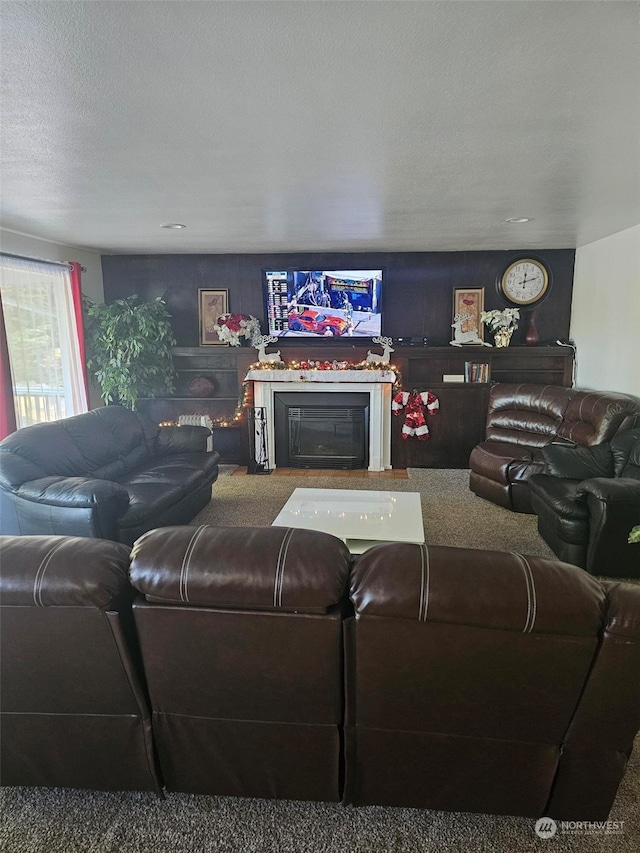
[476,371]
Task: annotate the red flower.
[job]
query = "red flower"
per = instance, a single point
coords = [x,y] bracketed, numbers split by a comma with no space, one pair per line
[232,322]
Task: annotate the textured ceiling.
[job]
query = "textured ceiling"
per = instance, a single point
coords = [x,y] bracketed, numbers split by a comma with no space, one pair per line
[334,126]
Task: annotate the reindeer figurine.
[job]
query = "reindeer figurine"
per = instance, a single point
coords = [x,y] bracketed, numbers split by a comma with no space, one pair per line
[469,337]
[261,346]
[384,357]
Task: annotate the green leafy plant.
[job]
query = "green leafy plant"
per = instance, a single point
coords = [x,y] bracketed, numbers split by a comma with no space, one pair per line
[634,536]
[128,346]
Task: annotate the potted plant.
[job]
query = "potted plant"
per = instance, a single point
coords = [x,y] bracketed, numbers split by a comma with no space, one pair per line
[634,536]
[502,324]
[128,346]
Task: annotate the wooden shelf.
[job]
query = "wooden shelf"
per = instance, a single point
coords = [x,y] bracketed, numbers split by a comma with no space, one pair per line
[199,399]
[455,430]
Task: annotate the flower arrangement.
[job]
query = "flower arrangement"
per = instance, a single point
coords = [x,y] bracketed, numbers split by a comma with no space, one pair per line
[232,328]
[505,319]
[502,324]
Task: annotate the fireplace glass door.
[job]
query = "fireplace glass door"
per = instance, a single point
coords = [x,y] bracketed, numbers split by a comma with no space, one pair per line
[311,434]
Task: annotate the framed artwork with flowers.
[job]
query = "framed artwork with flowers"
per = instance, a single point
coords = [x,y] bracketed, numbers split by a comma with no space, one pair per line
[211,305]
[468,305]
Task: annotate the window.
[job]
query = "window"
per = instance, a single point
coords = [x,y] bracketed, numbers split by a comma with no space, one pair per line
[47,373]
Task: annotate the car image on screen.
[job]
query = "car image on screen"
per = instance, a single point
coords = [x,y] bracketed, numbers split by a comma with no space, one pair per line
[319,324]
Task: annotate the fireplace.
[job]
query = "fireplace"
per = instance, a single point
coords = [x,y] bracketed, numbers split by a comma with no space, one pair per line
[372,390]
[321,430]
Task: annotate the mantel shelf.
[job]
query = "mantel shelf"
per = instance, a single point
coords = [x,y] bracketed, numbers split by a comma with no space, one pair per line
[366,377]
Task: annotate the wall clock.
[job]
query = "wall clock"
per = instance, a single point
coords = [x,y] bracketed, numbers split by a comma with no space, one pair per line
[524,282]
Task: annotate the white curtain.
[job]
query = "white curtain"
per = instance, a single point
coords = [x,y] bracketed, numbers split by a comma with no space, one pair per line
[42,337]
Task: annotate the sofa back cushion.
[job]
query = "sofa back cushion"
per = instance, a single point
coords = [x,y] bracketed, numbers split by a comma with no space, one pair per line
[104,443]
[264,568]
[42,450]
[592,417]
[525,414]
[535,415]
[113,443]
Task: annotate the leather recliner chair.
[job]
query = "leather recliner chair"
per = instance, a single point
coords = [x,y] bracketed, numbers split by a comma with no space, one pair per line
[587,502]
[488,682]
[241,636]
[522,419]
[74,708]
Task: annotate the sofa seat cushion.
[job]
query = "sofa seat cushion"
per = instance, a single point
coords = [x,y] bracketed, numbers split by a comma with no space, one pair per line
[147,499]
[182,464]
[164,483]
[506,463]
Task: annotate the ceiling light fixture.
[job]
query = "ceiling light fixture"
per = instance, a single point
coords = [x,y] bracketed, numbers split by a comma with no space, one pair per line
[518,219]
[173,226]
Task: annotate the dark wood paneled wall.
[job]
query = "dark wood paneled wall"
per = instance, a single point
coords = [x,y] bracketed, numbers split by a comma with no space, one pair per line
[418,286]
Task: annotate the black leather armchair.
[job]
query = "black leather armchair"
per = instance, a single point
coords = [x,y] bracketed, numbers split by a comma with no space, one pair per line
[588,500]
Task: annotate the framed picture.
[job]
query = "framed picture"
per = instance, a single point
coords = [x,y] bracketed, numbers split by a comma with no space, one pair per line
[211,304]
[468,305]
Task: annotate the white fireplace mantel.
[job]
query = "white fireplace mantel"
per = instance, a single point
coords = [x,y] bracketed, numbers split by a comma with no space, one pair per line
[377,383]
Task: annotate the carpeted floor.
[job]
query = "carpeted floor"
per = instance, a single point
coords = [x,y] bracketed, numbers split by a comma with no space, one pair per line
[452,515]
[66,821]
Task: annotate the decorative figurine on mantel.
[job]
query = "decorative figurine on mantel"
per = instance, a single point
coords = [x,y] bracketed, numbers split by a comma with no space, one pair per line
[469,336]
[388,349]
[261,344]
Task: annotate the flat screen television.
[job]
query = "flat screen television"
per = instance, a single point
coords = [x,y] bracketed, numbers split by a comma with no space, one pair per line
[323,303]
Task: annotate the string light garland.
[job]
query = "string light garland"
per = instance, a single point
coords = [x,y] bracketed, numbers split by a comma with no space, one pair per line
[225,420]
[246,396]
[331,365]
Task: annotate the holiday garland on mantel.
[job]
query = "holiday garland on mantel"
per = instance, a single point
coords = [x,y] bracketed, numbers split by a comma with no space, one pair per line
[246,397]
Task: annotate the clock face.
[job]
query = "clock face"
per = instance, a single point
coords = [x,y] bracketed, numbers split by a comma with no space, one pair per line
[524,282]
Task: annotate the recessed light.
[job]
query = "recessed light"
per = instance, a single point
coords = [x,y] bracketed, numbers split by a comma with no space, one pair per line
[173,226]
[518,219]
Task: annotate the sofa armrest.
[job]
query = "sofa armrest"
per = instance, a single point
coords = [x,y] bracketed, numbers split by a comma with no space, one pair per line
[64,506]
[612,490]
[75,492]
[182,439]
[572,462]
[614,508]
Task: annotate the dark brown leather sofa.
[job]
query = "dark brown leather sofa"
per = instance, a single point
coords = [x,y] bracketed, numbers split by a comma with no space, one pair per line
[108,473]
[276,666]
[522,419]
[587,502]
[74,707]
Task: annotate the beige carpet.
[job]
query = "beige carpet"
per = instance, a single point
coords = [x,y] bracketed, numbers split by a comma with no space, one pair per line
[452,514]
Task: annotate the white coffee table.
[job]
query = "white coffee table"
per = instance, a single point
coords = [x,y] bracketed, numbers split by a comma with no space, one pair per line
[360,518]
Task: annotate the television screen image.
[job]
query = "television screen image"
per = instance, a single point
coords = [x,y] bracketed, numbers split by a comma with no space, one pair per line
[323,303]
